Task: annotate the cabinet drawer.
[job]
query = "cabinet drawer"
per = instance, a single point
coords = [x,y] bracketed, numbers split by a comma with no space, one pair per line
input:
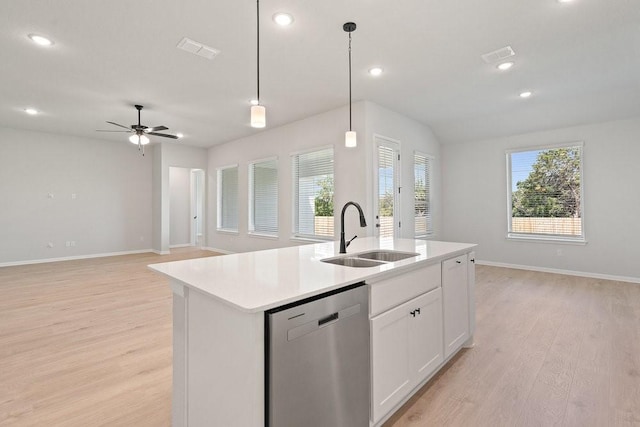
[391,292]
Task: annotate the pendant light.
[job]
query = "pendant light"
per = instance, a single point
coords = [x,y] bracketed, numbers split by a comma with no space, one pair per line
[350,136]
[258,112]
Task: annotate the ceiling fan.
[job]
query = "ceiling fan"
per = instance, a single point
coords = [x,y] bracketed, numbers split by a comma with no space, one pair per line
[140,131]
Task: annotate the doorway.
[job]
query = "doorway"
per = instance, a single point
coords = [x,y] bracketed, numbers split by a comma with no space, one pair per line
[186,207]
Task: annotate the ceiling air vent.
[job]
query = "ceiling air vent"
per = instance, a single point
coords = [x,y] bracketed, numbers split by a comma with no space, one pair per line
[498,55]
[197,48]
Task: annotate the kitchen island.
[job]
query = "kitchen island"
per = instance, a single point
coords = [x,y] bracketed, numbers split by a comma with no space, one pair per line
[219,321]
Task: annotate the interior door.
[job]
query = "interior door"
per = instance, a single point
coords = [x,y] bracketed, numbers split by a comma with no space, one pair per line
[387,191]
[197,207]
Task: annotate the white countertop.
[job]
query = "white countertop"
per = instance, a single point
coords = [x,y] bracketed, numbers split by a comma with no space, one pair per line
[258,281]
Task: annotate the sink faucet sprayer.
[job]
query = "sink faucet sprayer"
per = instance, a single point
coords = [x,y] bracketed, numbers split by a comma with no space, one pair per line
[363,223]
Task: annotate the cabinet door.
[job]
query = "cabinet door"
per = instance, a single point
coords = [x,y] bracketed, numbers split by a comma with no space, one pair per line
[455,296]
[391,374]
[425,334]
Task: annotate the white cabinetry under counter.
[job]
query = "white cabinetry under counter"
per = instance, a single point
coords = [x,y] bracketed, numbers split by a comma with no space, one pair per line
[419,320]
[455,291]
[406,348]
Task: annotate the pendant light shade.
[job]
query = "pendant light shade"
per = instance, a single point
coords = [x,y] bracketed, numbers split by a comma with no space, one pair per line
[350,140]
[258,119]
[258,112]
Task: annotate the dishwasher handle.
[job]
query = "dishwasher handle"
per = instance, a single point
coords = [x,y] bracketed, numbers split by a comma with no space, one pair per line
[329,318]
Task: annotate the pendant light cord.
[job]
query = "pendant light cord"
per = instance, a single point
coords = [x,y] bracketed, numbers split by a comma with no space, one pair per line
[258,49]
[350,82]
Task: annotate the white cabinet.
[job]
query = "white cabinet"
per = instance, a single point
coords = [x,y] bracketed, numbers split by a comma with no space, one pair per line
[406,344]
[425,335]
[456,304]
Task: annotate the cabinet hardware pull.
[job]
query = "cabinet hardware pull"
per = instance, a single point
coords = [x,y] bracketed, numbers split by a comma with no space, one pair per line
[458,262]
[418,310]
[413,313]
[473,260]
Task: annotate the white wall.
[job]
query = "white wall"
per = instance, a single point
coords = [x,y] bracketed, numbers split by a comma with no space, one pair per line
[353,173]
[413,136]
[475,200]
[180,206]
[111,211]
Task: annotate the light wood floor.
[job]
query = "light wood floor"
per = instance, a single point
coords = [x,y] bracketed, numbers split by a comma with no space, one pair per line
[88,343]
[550,350]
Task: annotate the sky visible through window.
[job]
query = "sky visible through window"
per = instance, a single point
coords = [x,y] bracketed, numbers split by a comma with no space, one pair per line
[521,166]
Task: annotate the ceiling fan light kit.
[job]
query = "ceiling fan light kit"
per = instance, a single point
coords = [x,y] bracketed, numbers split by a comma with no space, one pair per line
[140,131]
[139,139]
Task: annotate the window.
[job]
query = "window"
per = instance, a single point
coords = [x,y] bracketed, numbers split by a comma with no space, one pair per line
[423,225]
[545,193]
[263,197]
[313,194]
[228,198]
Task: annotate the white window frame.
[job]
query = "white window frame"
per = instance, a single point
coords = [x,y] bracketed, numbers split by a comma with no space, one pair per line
[251,218]
[546,237]
[295,234]
[430,232]
[219,225]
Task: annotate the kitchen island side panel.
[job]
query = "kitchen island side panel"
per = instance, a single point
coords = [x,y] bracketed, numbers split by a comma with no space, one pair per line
[224,364]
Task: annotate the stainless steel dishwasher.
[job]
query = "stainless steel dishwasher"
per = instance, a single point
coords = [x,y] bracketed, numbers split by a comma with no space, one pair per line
[317,361]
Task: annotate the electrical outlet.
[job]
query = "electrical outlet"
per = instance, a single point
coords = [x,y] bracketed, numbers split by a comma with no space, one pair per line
[50,195]
[68,243]
[73,243]
[74,196]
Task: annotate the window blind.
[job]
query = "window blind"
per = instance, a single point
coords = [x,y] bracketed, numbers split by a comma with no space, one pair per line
[313,193]
[422,195]
[386,190]
[263,197]
[545,193]
[228,198]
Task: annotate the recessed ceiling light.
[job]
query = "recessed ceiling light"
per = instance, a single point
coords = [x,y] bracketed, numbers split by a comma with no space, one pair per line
[565,1]
[283,19]
[375,71]
[505,66]
[41,40]
[525,94]
[31,111]
[254,102]
[179,135]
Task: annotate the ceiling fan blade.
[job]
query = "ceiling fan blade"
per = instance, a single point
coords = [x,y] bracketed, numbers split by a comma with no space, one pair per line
[156,128]
[122,126]
[166,135]
[123,131]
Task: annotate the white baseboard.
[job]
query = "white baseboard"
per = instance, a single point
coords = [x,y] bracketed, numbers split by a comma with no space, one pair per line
[157,252]
[560,271]
[71,258]
[182,245]
[220,251]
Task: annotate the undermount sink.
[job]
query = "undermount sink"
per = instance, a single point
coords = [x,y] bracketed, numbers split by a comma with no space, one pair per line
[353,262]
[370,258]
[386,255]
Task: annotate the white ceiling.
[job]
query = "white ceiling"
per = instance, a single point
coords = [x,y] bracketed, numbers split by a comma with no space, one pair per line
[581,60]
